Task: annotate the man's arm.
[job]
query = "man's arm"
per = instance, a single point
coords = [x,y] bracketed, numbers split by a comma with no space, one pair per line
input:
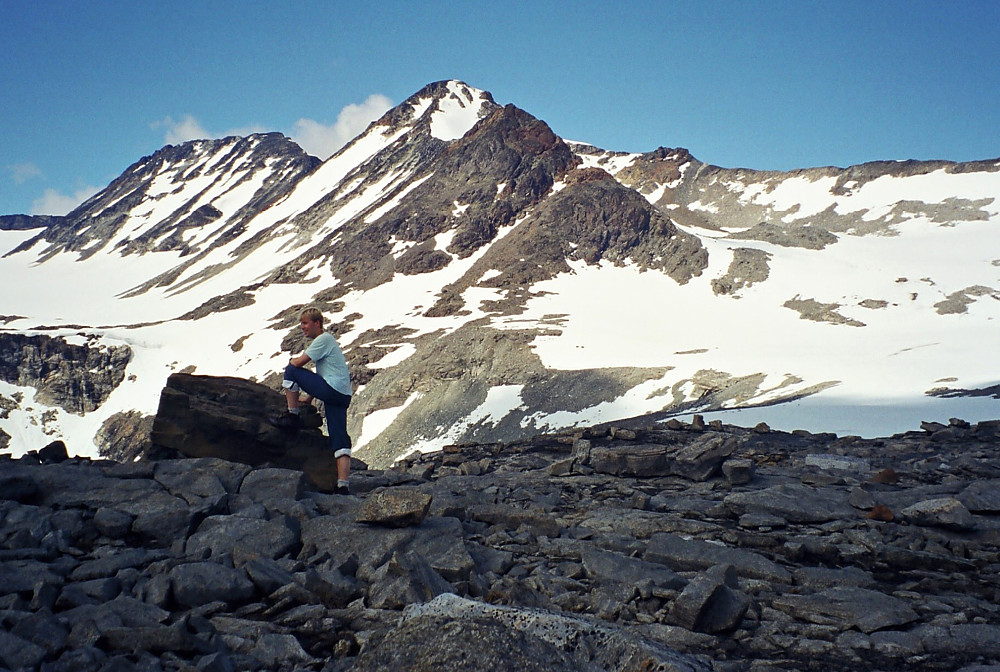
[300,361]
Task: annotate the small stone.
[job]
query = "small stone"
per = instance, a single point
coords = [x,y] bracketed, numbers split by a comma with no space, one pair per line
[887,476]
[882,513]
[738,471]
[112,523]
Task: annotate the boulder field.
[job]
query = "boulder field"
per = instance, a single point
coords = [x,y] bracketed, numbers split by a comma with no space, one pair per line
[676,547]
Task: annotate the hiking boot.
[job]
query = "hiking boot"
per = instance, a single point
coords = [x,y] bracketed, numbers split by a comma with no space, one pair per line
[342,490]
[286,420]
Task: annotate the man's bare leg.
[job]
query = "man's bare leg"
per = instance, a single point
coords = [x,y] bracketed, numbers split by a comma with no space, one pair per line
[292,399]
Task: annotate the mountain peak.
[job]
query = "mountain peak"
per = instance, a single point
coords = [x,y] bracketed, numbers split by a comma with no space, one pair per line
[448,109]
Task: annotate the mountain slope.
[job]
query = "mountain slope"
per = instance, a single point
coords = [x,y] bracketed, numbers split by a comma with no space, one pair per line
[488,280]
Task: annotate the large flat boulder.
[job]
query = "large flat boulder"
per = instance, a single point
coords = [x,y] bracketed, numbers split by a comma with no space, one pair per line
[226,417]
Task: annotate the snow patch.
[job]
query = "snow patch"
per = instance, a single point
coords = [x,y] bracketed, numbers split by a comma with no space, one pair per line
[456,115]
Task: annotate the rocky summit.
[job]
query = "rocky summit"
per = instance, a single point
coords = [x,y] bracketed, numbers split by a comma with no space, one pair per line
[681,547]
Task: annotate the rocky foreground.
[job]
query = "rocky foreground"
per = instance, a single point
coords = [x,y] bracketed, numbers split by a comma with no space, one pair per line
[684,548]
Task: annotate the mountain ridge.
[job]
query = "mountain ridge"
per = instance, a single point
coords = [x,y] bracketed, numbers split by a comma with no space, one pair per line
[616,284]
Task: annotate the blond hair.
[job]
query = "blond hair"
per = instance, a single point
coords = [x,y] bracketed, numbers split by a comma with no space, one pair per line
[312,314]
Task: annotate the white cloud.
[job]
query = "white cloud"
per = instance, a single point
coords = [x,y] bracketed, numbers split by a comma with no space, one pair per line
[188,128]
[244,131]
[181,130]
[315,137]
[53,202]
[22,172]
[323,140]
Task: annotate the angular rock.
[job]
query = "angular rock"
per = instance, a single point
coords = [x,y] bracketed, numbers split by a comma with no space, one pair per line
[44,630]
[738,471]
[691,554]
[113,523]
[462,645]
[981,497]
[440,540]
[829,577]
[197,583]
[856,465]
[849,607]
[243,539]
[965,639]
[711,602]
[606,566]
[267,575]
[333,588]
[405,579]
[698,460]
[269,484]
[20,576]
[208,416]
[794,502]
[112,563]
[176,639]
[941,512]
[17,653]
[280,651]
[534,639]
[395,507]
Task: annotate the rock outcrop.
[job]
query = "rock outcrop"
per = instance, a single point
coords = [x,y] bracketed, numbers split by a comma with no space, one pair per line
[700,547]
[75,377]
[208,416]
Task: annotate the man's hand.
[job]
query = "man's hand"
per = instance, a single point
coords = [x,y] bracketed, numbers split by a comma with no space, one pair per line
[300,361]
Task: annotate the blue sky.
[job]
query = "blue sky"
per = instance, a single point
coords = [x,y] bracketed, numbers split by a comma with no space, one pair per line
[88,88]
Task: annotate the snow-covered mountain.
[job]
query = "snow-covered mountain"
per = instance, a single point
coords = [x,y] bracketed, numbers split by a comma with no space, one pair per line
[489,280]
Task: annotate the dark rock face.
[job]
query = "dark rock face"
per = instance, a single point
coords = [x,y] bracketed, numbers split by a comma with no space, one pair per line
[527,556]
[23,222]
[591,219]
[78,378]
[124,437]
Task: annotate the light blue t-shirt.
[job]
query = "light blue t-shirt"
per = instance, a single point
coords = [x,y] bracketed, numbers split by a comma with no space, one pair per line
[330,363]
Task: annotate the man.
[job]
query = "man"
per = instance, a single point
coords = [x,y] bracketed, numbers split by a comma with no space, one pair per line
[331,384]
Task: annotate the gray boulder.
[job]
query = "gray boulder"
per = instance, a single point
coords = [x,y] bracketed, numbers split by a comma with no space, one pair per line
[197,583]
[692,554]
[794,502]
[849,607]
[223,417]
[941,512]
[711,602]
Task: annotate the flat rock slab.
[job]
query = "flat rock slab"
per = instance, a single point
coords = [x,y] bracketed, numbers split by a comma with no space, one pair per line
[794,502]
[698,460]
[585,644]
[692,554]
[866,610]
